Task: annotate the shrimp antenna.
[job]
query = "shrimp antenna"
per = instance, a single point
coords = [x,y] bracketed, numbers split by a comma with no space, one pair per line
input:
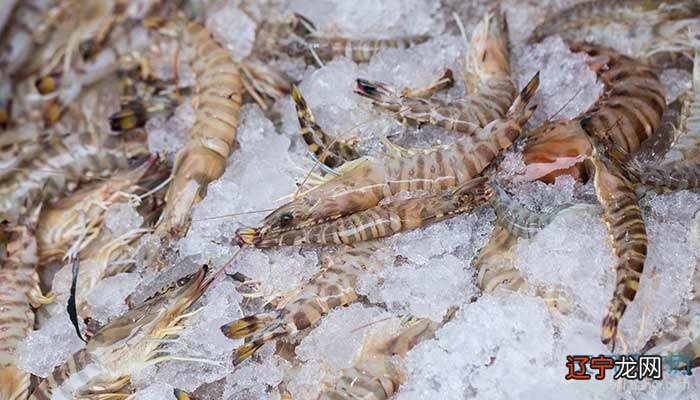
[233,214]
[460,25]
[363,326]
[223,267]
[566,104]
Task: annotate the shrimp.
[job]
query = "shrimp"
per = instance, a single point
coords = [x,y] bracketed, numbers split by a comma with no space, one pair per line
[376,375]
[366,181]
[627,230]
[380,221]
[594,11]
[333,286]
[19,293]
[203,159]
[673,176]
[685,336]
[70,224]
[306,39]
[688,130]
[62,84]
[57,163]
[491,90]
[125,345]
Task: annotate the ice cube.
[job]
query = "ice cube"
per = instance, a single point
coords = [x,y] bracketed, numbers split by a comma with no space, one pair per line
[121,218]
[38,352]
[232,28]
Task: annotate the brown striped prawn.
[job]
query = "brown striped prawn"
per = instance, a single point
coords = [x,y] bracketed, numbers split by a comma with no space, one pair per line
[490,88]
[380,221]
[333,286]
[306,40]
[597,11]
[58,163]
[367,181]
[625,117]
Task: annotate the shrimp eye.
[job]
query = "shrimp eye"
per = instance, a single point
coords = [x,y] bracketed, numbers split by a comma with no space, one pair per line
[285,219]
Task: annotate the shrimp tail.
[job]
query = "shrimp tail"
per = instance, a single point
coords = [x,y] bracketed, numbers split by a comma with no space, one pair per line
[182,395]
[247,350]
[246,236]
[132,115]
[247,326]
[520,109]
[326,149]
[378,92]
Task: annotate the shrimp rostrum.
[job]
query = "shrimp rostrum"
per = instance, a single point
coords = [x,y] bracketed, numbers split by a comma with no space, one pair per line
[364,183]
[307,40]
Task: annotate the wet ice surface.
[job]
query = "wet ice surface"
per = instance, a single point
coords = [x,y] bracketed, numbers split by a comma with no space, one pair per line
[371,19]
[495,337]
[38,352]
[428,270]
[238,41]
[105,308]
[567,86]
[168,135]
[121,218]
